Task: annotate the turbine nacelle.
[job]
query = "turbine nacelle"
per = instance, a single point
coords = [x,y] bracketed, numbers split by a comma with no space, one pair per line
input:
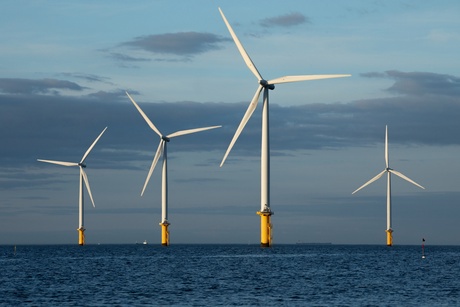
[265,84]
[81,164]
[165,138]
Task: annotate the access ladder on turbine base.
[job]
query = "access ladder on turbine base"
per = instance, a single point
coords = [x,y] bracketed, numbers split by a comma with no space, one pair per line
[389,237]
[164,233]
[81,236]
[265,228]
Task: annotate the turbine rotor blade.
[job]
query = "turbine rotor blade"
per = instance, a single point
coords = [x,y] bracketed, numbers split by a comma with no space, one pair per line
[85,179]
[92,145]
[152,126]
[287,79]
[59,162]
[240,47]
[189,131]
[370,181]
[154,163]
[246,117]
[387,162]
[405,178]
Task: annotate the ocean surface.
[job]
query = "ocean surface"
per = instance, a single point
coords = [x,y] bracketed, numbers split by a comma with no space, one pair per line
[216,275]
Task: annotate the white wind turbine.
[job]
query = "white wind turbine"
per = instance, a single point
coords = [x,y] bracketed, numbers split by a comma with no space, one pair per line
[389,171]
[265,211]
[162,150]
[83,177]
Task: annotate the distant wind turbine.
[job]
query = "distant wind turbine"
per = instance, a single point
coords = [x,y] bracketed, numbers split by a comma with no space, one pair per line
[83,177]
[162,150]
[265,211]
[389,171]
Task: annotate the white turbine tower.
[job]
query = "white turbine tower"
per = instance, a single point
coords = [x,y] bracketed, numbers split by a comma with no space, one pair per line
[162,150]
[265,211]
[83,177]
[389,171]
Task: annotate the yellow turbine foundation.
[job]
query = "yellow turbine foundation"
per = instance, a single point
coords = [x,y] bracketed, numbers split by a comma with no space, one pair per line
[81,236]
[265,228]
[164,234]
[389,237]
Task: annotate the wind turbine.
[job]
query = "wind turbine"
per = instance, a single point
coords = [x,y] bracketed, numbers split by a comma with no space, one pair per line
[162,150]
[389,171]
[83,177]
[265,211]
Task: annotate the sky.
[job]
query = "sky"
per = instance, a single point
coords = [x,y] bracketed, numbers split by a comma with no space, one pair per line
[65,67]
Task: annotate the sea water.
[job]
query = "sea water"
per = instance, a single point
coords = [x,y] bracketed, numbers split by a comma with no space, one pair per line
[213,275]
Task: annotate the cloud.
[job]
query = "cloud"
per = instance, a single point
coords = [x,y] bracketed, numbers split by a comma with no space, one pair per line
[36,86]
[61,127]
[287,20]
[86,77]
[181,43]
[117,95]
[420,83]
[123,59]
[57,127]
[126,58]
